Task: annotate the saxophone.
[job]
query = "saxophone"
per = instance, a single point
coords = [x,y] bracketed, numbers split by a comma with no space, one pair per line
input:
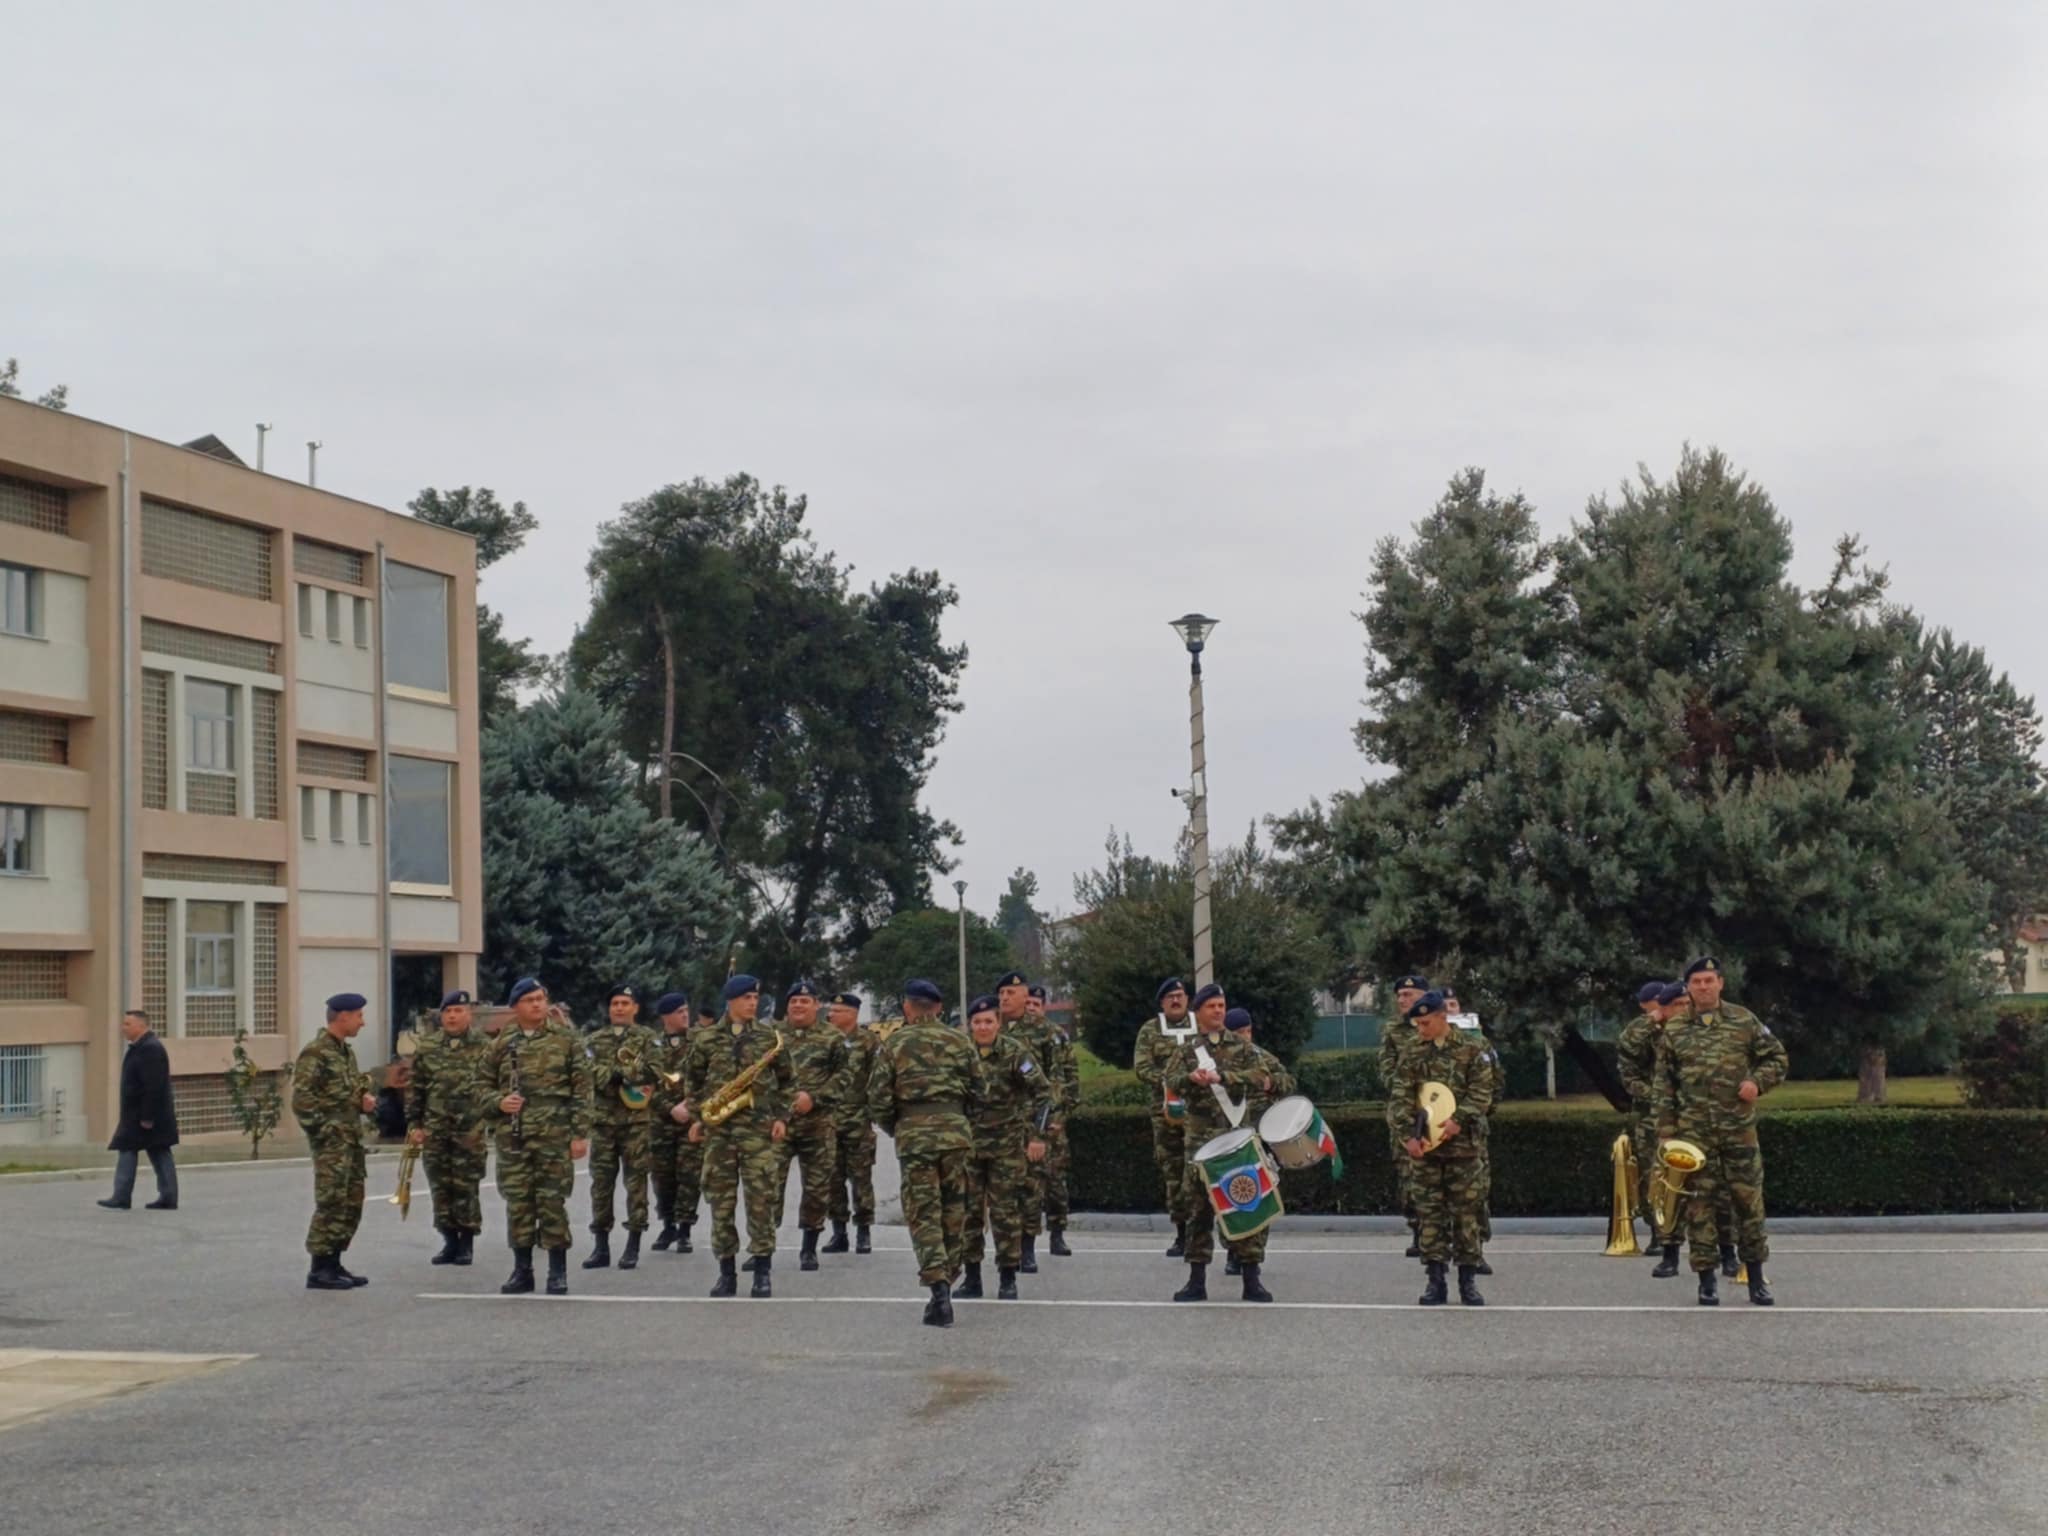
[737,1095]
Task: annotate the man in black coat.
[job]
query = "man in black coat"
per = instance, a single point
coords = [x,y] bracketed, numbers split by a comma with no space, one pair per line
[149,1120]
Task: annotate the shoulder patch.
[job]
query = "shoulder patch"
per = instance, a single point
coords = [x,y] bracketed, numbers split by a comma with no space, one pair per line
[1763,1028]
[1024,1065]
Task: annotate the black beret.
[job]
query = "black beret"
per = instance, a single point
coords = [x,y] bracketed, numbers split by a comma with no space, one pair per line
[671,1002]
[982,1004]
[459,998]
[521,987]
[1202,996]
[1428,1003]
[1672,992]
[1010,979]
[347,1002]
[1238,1018]
[739,986]
[1171,984]
[1705,963]
[1418,983]
[920,990]
[1649,991]
[1037,992]
[621,990]
[847,1000]
[801,989]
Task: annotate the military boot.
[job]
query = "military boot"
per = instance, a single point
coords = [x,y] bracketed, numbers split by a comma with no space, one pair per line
[1029,1263]
[808,1259]
[938,1312]
[1710,1291]
[762,1287]
[728,1281]
[558,1271]
[1056,1243]
[348,1275]
[1482,1267]
[861,1241]
[630,1259]
[1668,1265]
[1253,1291]
[1759,1293]
[665,1239]
[521,1283]
[1468,1286]
[1230,1263]
[683,1238]
[1006,1285]
[1197,1288]
[1414,1248]
[1436,1293]
[1178,1248]
[837,1243]
[748,1267]
[321,1275]
[468,1254]
[600,1256]
[969,1288]
[451,1248]
[1731,1266]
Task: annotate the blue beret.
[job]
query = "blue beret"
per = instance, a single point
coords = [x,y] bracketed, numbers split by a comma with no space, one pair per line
[1671,992]
[1211,990]
[621,990]
[1010,979]
[456,999]
[1705,963]
[1037,992]
[800,989]
[982,1004]
[671,1002]
[1171,984]
[1429,1002]
[1419,983]
[521,987]
[1649,991]
[847,1000]
[1238,1018]
[739,986]
[923,991]
[347,1002]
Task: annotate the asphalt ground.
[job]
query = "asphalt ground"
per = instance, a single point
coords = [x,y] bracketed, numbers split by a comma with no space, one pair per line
[1901,1384]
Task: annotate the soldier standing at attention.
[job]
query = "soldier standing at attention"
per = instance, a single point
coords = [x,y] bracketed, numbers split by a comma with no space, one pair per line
[1445,1178]
[1395,1033]
[1710,1073]
[1635,1057]
[447,1123]
[621,1057]
[1158,1039]
[1066,1072]
[853,1160]
[1279,1084]
[1477,1035]
[537,1088]
[1035,1035]
[1236,1073]
[822,1062]
[1009,1136]
[329,1094]
[1675,1010]
[678,1161]
[926,1084]
[742,1150]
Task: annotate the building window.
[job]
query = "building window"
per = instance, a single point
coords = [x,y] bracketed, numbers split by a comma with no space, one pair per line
[209,948]
[306,611]
[309,814]
[363,820]
[21,1082]
[420,815]
[207,551]
[42,739]
[362,621]
[334,617]
[21,600]
[416,609]
[209,726]
[334,815]
[17,840]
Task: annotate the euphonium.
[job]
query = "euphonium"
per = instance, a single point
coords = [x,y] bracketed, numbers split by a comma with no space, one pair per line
[1677,1162]
[738,1094]
[1621,1221]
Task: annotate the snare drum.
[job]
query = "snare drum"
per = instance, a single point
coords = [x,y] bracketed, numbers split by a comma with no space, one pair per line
[1294,1132]
[1244,1194]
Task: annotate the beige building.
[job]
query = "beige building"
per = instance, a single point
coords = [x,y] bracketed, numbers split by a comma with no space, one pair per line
[238,748]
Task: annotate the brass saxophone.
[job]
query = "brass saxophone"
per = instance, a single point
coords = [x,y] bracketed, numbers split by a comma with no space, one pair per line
[738,1094]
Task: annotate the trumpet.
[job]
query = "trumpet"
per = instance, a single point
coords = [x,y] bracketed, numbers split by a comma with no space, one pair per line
[402,1196]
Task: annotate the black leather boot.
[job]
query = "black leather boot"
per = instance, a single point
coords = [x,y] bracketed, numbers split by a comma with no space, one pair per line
[1253,1291]
[1468,1286]
[630,1259]
[1230,1263]
[837,1242]
[1668,1265]
[451,1247]
[1414,1248]
[1482,1267]
[748,1267]
[808,1259]
[343,1271]
[969,1288]
[1731,1266]
[728,1280]
[938,1312]
[600,1256]
[321,1275]
[1029,1263]
[558,1271]
[465,1248]
[1197,1288]
[683,1238]
[1056,1243]
[861,1240]
[1178,1248]
[1436,1293]
[1759,1293]
[1710,1291]
[762,1285]
[521,1283]
[1006,1285]
[665,1239]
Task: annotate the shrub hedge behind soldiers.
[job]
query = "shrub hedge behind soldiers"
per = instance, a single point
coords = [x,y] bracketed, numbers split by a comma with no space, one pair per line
[1009,1136]
[1158,1040]
[743,1150]
[446,1122]
[1236,1071]
[1444,1178]
[329,1095]
[537,1090]
[1710,1072]
[822,1063]
[1066,1074]
[1395,1033]
[926,1085]
[622,1053]
[678,1161]
[1278,1084]
[853,1159]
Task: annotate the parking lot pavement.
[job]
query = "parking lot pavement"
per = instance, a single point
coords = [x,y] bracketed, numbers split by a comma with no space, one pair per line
[1901,1384]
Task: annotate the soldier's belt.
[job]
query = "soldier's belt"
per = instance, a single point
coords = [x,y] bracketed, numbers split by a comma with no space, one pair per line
[927,1108]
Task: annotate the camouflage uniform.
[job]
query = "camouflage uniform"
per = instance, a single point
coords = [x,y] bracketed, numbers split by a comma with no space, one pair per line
[1149,1058]
[620,1138]
[1700,1065]
[742,1151]
[1259,1100]
[1491,1053]
[926,1082]
[1044,1042]
[327,1095]
[441,1099]
[998,1172]
[535,1171]
[823,1064]
[1724,1201]
[1635,1055]
[1446,1181]
[1238,1063]
[678,1161]
[1059,1158]
[853,1162]
[1395,1035]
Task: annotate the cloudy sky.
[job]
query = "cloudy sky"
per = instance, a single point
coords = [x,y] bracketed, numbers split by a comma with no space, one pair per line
[1106,312]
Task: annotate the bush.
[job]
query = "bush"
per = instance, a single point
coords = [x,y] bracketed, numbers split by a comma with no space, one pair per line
[1341,1077]
[2007,1068]
[1554,1162]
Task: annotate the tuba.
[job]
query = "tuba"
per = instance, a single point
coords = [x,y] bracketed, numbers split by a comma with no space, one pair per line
[1677,1162]
[733,1097]
[1621,1221]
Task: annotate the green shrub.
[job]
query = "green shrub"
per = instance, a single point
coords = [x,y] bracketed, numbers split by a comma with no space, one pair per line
[1340,1077]
[2007,1067]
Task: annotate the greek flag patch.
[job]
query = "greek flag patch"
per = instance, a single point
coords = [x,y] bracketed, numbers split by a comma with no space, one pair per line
[1024,1066]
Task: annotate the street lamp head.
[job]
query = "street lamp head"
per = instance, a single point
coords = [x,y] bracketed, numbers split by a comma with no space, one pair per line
[960,889]
[1194,630]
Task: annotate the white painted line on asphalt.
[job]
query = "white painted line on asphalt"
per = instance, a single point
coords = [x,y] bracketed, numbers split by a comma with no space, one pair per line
[1675,1309]
[1498,1250]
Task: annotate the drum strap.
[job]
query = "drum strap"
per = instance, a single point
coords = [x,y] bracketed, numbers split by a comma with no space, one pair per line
[1233,1110]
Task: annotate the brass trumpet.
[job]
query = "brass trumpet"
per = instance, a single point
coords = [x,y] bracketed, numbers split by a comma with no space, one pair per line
[402,1196]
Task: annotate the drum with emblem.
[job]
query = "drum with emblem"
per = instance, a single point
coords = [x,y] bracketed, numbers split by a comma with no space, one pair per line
[1295,1135]
[1244,1192]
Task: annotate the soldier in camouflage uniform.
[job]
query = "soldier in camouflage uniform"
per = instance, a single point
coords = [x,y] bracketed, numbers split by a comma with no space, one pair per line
[1445,1178]
[742,1151]
[1066,1075]
[1013,998]
[329,1095]
[1009,1137]
[536,1087]
[925,1087]
[1395,1034]
[1158,1039]
[823,1066]
[1478,1036]
[1675,1012]
[620,1133]
[1280,1083]
[1635,1056]
[853,1161]
[1710,1072]
[678,1161]
[1236,1072]
[446,1123]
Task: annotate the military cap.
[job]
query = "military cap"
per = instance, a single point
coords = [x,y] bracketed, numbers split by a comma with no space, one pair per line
[1035,991]
[1649,991]
[1202,996]
[521,987]
[620,989]
[1238,1018]
[459,998]
[801,988]
[1672,992]
[1418,983]
[919,990]
[739,986]
[847,1000]
[1171,984]
[1010,979]
[347,1002]
[1428,1003]
[1705,963]
[982,1004]
[671,1002]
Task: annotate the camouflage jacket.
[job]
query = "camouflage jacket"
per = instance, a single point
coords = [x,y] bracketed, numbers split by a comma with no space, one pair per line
[327,1089]
[927,1087]
[553,1070]
[1463,1065]
[671,1052]
[1017,1091]
[1283,1083]
[1702,1059]
[442,1096]
[1151,1055]
[1070,1067]
[720,1052]
[1636,1056]
[850,1114]
[1045,1043]
[607,1077]
[1238,1063]
[824,1069]
[1395,1035]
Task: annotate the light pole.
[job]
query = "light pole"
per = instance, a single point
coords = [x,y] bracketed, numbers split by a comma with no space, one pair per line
[960,890]
[1194,629]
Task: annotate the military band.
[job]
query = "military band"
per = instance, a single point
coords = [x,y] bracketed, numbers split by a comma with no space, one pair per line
[738,1081]
[1215,1073]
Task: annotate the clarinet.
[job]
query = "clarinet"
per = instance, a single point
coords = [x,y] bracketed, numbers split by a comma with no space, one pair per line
[518,1126]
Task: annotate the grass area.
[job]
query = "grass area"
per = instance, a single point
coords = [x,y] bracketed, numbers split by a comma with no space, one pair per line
[1093,1066]
[1832,1093]
[28,1167]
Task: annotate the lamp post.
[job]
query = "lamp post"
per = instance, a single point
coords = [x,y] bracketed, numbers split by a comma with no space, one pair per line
[960,890]
[1194,629]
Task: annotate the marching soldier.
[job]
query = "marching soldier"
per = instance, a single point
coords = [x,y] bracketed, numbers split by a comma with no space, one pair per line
[1058,1155]
[1009,1136]
[926,1083]
[1279,1084]
[853,1161]
[621,1055]
[742,1149]
[1445,1179]
[1395,1032]
[1500,1092]
[822,1063]
[1710,1072]
[1237,1073]
[329,1094]
[446,1123]
[537,1090]
[1158,1039]
[678,1161]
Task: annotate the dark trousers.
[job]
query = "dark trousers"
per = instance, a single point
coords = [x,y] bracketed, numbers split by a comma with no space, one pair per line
[159,1163]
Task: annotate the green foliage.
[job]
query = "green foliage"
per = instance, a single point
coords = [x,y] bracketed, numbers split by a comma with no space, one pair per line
[1340,1077]
[256,1105]
[57,397]
[926,943]
[2006,1067]
[503,664]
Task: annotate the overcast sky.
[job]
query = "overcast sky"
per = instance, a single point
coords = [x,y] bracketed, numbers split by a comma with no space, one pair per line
[1104,311]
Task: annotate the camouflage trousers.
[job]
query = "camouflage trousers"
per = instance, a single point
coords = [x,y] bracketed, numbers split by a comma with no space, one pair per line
[935,1208]
[535,1176]
[736,1158]
[853,1164]
[1170,1156]
[999,1191]
[337,1193]
[1644,1138]
[1404,1177]
[813,1145]
[455,1167]
[1202,1229]
[1052,1175]
[678,1172]
[616,1146]
[1734,1174]
[1447,1206]
[1485,1195]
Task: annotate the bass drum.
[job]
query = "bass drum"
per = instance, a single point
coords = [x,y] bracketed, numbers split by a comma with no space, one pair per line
[1294,1133]
[1242,1186]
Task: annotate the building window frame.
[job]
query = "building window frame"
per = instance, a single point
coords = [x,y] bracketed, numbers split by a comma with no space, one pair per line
[21,601]
[418,603]
[20,840]
[211,954]
[23,1076]
[210,731]
[412,832]
[305,610]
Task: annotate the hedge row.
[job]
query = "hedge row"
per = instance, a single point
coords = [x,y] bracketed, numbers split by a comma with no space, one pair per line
[1547,1162]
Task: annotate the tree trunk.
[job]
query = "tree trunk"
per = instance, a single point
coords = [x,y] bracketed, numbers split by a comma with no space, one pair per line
[668,711]
[1870,1076]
